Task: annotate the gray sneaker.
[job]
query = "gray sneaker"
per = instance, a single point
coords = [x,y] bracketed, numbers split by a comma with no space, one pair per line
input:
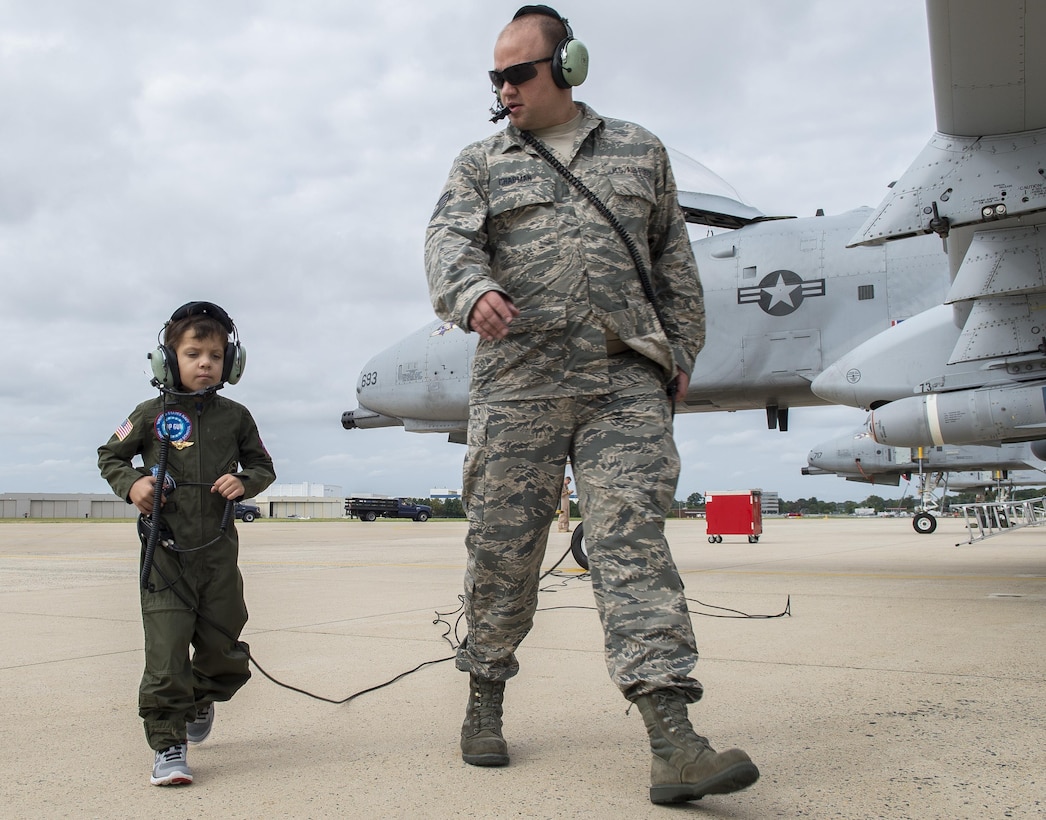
[197,730]
[171,767]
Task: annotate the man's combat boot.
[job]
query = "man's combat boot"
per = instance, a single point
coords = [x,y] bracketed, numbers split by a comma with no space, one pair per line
[685,767]
[481,740]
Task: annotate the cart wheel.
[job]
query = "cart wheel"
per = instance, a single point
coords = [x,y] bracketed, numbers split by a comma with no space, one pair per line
[752,539]
[577,546]
[719,539]
[711,539]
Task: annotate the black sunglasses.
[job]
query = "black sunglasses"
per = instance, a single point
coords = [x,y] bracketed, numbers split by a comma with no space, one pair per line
[516,74]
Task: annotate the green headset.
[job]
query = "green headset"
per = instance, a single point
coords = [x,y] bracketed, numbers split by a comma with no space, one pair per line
[164,359]
[570,61]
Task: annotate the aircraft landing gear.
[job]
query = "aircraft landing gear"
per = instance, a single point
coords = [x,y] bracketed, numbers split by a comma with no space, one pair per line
[924,523]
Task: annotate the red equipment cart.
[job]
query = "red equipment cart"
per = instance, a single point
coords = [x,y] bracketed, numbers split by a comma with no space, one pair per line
[734,512]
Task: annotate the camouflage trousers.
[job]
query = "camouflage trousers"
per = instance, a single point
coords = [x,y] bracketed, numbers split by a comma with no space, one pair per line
[625,466]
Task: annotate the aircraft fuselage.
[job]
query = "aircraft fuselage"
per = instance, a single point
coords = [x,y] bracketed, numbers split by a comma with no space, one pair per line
[783,299]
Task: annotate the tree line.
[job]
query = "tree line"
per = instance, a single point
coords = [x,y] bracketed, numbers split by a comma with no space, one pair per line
[907,504]
[695,502]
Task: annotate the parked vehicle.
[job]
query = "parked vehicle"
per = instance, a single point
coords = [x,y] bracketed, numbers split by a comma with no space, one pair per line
[368,509]
[247,512]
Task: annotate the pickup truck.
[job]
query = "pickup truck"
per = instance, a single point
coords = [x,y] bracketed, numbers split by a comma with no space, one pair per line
[367,509]
[247,512]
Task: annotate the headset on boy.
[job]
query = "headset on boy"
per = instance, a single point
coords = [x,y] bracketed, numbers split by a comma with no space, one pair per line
[164,359]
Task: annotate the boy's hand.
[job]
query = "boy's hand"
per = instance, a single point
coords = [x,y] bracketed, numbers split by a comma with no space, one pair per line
[229,486]
[142,493]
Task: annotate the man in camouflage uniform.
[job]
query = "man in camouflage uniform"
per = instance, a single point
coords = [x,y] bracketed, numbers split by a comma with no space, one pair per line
[573,362]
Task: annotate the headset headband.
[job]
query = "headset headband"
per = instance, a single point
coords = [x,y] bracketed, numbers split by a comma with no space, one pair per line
[547,11]
[204,309]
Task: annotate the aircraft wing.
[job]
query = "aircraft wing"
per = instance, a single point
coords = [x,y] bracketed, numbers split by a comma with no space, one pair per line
[989,86]
[974,369]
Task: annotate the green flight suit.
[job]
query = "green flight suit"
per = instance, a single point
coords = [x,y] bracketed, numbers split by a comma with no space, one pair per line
[209,437]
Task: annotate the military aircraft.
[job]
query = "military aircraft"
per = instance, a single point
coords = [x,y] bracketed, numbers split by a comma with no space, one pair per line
[783,298]
[858,457]
[973,368]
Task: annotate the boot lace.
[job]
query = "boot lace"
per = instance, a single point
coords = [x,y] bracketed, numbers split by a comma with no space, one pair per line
[172,754]
[485,705]
[672,709]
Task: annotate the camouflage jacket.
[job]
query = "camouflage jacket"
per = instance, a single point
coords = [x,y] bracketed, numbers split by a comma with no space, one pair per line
[508,221]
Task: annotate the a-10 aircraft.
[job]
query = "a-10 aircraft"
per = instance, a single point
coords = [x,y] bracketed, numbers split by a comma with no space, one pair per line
[972,369]
[783,299]
[858,457]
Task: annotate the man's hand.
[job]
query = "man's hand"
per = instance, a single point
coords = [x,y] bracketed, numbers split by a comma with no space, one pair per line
[682,384]
[492,315]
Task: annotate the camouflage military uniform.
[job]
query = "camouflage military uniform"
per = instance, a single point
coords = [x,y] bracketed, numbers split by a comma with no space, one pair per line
[582,375]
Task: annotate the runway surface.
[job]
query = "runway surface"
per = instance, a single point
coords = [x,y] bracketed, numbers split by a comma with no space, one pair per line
[907,679]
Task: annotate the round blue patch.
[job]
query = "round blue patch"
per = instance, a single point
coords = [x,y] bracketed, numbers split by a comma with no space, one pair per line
[174,425]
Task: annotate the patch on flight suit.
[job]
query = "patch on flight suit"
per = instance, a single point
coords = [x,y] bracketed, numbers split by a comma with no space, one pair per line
[174,426]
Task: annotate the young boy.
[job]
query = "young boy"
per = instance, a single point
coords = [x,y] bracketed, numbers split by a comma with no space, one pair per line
[209,452]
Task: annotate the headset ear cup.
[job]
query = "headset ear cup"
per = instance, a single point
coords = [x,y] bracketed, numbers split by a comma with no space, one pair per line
[235,362]
[570,64]
[165,366]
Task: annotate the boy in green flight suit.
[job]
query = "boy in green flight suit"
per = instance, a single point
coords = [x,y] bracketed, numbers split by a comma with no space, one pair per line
[209,452]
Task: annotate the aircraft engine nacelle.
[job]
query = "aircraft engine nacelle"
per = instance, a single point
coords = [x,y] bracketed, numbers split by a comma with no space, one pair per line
[963,417]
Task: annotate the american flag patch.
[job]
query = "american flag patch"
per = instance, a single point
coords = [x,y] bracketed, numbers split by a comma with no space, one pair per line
[124,430]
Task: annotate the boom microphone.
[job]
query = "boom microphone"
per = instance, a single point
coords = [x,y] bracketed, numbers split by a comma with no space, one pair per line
[498,110]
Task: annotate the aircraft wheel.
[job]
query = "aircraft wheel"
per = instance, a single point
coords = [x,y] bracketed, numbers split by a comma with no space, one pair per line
[924,523]
[577,546]
[368,516]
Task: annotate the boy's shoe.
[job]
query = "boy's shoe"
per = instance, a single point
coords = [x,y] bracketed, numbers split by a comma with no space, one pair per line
[197,730]
[171,767]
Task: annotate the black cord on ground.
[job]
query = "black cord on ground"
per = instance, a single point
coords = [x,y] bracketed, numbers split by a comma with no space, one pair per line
[451,629]
[738,613]
[243,646]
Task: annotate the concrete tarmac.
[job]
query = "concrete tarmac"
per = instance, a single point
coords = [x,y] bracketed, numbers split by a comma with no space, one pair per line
[907,679]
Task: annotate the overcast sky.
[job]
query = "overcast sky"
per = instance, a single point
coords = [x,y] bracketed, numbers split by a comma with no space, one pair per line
[282,160]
